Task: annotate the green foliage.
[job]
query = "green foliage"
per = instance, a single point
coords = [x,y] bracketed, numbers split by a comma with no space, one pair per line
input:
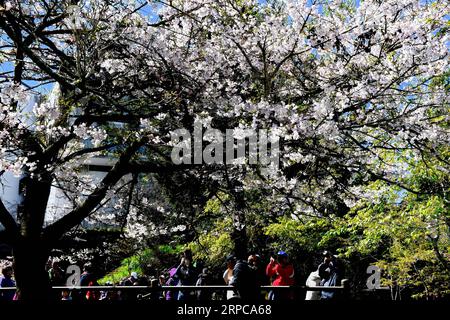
[410,241]
[294,233]
[214,245]
[128,265]
[408,233]
[405,233]
[140,263]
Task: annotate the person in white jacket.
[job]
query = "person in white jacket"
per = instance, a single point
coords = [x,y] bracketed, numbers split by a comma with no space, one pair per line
[228,276]
[312,281]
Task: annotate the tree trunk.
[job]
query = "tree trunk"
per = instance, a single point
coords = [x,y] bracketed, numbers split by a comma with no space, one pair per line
[30,259]
[240,240]
[239,234]
[30,252]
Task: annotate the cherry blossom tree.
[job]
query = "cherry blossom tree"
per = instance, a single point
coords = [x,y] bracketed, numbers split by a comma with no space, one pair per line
[347,87]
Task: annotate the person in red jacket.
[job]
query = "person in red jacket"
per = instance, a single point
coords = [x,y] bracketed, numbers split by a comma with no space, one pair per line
[282,271]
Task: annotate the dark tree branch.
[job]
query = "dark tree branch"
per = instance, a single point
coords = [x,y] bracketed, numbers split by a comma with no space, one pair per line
[54,231]
[37,60]
[87,151]
[7,220]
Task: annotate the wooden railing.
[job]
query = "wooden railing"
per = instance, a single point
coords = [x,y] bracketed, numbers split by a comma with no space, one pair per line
[344,288]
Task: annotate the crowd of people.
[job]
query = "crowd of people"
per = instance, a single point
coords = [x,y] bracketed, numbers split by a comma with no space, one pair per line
[244,277]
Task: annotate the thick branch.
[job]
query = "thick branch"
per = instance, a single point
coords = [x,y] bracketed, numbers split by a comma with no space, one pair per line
[151,167]
[38,61]
[75,217]
[6,219]
[87,151]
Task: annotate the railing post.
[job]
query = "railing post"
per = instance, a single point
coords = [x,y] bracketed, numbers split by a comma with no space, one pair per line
[345,283]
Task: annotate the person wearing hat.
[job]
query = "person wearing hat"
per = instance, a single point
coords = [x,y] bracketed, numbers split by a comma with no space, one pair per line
[204,279]
[282,272]
[7,281]
[228,275]
[131,280]
[255,262]
[187,275]
[244,281]
[88,279]
[331,273]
